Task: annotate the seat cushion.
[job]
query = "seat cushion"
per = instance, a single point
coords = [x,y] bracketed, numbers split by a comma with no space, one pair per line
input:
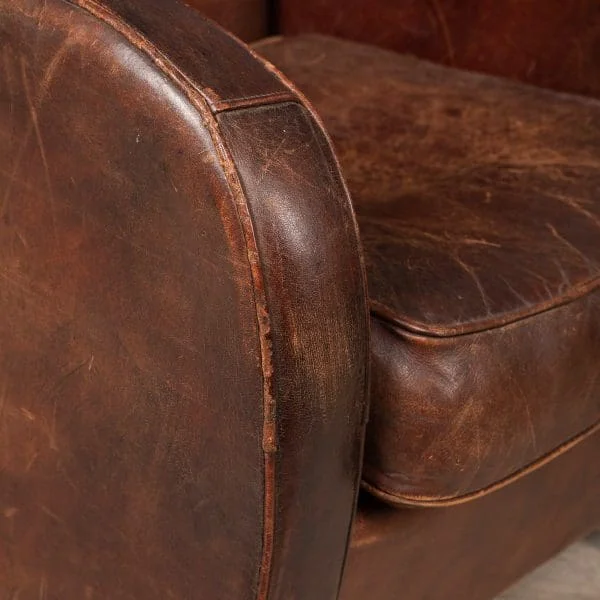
[478,201]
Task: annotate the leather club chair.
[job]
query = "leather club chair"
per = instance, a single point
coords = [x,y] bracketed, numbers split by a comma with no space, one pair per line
[201,357]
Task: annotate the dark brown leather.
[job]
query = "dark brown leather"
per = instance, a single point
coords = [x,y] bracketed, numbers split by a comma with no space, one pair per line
[549,43]
[174,236]
[245,18]
[479,212]
[321,388]
[476,550]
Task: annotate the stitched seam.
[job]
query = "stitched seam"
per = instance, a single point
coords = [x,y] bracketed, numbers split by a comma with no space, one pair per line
[193,93]
[382,312]
[442,501]
[141,42]
[269,438]
[222,106]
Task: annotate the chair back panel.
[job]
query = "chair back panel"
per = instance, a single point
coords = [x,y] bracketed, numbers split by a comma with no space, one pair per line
[549,43]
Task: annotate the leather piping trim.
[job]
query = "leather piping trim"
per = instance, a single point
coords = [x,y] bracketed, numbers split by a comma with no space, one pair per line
[385,313]
[205,107]
[433,502]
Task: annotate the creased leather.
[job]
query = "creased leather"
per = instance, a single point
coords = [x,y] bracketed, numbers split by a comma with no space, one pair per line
[476,550]
[477,200]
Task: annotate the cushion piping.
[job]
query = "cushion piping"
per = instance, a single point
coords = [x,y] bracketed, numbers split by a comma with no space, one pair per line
[378,490]
[385,313]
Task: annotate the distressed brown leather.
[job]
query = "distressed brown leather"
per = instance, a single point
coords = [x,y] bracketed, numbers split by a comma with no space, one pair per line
[476,550]
[245,18]
[174,237]
[478,206]
[550,43]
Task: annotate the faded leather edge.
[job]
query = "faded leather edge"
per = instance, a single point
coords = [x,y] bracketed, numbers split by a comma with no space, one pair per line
[303,99]
[389,315]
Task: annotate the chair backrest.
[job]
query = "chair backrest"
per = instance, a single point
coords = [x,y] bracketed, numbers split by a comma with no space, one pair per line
[549,43]
[245,18]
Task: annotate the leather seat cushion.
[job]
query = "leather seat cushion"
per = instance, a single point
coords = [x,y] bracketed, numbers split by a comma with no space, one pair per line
[478,201]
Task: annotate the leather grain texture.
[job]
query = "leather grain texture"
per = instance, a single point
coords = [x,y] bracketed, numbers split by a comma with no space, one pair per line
[476,550]
[548,43]
[169,425]
[477,200]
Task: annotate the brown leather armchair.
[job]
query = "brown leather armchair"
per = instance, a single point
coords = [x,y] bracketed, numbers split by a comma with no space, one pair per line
[193,376]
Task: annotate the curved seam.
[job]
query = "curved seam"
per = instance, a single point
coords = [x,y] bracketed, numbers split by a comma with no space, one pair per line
[215,103]
[384,313]
[267,41]
[221,106]
[442,501]
[192,92]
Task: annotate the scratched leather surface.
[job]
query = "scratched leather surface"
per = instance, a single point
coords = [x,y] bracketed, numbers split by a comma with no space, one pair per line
[476,550]
[477,200]
[550,43]
[171,424]
[217,65]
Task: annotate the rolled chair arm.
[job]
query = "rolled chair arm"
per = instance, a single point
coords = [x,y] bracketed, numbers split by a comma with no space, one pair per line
[183,320]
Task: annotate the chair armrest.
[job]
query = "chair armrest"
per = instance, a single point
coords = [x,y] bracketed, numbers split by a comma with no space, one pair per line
[183,329]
